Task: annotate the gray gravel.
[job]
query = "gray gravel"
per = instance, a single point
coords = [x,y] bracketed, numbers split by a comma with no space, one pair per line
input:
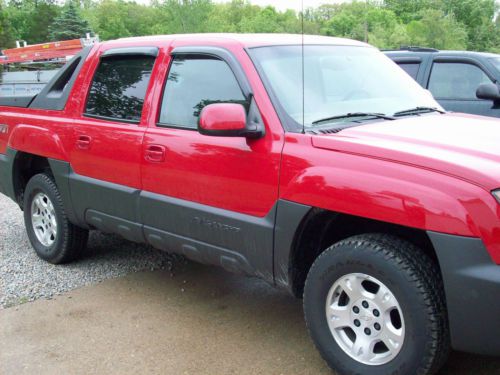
[24,277]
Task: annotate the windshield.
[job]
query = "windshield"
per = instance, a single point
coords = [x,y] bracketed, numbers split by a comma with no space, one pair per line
[339,80]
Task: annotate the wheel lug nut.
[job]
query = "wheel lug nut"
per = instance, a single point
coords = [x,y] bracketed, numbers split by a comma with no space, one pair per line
[376,312]
[368,332]
[356,309]
[365,304]
[377,326]
[357,323]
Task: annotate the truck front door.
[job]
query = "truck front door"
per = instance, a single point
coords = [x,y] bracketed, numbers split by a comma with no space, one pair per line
[211,198]
[454,82]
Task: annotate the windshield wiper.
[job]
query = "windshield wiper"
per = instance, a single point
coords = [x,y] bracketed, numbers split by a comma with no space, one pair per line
[417,110]
[354,114]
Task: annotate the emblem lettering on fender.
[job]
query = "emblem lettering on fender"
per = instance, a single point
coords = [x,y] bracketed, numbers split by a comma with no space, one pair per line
[215,225]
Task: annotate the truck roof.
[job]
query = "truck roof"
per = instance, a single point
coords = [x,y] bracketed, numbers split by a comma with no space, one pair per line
[245,40]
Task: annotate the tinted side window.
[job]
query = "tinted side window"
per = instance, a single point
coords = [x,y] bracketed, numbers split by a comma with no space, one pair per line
[456,80]
[411,69]
[119,87]
[192,84]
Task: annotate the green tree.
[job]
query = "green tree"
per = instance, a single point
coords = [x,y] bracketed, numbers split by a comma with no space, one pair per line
[182,16]
[69,24]
[269,20]
[365,21]
[478,17]
[30,19]
[107,19]
[444,24]
[349,21]
[227,17]
[408,10]
[241,16]
[115,19]
[321,14]
[437,30]
[6,37]
[397,37]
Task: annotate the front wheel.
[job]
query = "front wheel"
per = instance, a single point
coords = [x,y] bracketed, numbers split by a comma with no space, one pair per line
[374,305]
[54,238]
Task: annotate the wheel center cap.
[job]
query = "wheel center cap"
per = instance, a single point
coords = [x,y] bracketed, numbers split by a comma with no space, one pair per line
[366,317]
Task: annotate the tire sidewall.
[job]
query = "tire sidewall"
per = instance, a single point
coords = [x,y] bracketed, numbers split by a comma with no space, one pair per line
[42,184]
[330,267]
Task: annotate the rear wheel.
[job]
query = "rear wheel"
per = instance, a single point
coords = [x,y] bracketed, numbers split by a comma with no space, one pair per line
[374,305]
[54,238]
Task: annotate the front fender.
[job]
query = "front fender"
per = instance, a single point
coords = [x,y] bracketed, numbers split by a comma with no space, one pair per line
[384,198]
[391,192]
[38,141]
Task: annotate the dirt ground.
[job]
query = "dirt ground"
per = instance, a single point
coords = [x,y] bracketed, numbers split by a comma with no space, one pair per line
[200,321]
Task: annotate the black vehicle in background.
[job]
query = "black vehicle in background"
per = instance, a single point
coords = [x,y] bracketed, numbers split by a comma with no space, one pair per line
[460,81]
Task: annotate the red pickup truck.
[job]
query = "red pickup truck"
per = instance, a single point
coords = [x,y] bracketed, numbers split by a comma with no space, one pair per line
[331,174]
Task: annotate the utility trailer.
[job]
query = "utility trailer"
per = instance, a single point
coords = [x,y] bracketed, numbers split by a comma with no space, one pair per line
[24,71]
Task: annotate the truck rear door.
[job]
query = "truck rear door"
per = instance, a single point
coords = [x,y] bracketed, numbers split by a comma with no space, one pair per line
[108,135]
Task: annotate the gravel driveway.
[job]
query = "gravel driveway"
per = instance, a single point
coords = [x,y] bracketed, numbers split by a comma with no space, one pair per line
[24,277]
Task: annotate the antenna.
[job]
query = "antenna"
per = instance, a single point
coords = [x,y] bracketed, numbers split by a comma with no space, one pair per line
[303,76]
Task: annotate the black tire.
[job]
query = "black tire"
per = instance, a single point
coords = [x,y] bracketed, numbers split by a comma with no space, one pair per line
[70,240]
[414,280]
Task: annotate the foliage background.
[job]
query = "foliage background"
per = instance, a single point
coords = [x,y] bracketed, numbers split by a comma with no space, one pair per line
[443,24]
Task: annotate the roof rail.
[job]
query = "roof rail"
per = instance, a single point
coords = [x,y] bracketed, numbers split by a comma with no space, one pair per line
[418,49]
[411,49]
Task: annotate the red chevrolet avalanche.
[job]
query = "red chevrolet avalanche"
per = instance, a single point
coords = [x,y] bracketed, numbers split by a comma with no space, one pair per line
[321,168]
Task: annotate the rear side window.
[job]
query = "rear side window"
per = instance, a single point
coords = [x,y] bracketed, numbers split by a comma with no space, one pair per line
[119,87]
[192,84]
[456,80]
[410,68]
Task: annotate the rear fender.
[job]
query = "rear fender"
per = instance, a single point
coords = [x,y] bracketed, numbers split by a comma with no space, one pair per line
[38,141]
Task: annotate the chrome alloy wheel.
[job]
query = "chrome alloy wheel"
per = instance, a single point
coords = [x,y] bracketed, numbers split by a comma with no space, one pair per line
[43,219]
[365,319]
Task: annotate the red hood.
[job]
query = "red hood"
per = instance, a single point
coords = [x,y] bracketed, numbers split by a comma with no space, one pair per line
[464,146]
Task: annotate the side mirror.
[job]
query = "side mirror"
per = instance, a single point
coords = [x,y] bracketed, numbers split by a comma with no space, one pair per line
[227,120]
[488,91]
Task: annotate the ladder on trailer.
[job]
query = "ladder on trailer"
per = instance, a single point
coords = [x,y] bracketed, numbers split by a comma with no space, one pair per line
[48,52]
